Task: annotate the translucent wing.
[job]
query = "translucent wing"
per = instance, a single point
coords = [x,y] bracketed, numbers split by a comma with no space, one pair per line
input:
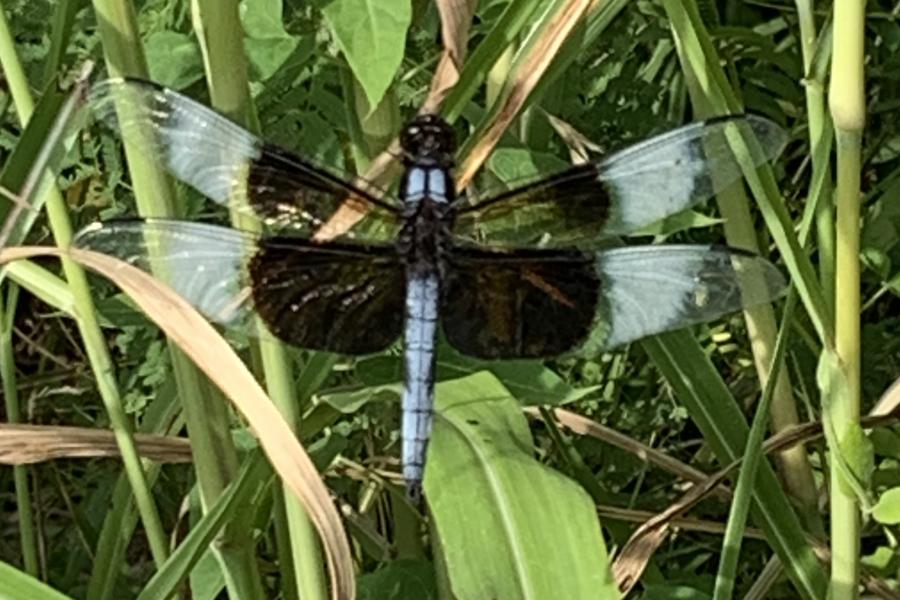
[652,289]
[342,298]
[630,189]
[233,167]
[542,303]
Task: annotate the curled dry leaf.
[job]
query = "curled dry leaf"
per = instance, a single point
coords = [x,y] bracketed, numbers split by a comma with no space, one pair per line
[209,351]
[584,426]
[28,444]
[456,20]
[524,78]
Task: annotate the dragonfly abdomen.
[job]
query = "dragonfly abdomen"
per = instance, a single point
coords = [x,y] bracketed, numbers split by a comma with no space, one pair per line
[420,335]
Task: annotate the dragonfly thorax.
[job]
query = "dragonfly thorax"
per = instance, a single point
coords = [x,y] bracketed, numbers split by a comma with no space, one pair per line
[428,140]
[425,236]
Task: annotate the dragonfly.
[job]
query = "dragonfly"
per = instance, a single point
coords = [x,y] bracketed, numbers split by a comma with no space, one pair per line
[524,273]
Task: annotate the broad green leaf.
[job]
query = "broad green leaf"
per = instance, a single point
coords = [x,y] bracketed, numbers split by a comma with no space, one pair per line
[21,586]
[506,526]
[173,59]
[530,381]
[887,510]
[372,36]
[262,18]
[268,44]
[512,164]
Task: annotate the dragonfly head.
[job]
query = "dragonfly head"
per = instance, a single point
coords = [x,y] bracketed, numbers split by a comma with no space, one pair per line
[428,138]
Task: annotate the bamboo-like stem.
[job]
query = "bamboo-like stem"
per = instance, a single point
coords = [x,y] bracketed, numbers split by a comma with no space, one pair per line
[847,104]
[219,30]
[27,535]
[86,318]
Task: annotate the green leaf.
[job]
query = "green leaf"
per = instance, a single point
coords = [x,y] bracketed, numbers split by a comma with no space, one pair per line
[496,510]
[21,586]
[262,18]
[268,44]
[673,592]
[235,499]
[858,452]
[372,36]
[682,221]
[173,59]
[530,381]
[887,510]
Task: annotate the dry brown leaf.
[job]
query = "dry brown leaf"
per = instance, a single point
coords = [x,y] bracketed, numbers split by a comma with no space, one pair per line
[528,73]
[28,444]
[585,426]
[209,351]
[646,539]
[889,402]
[456,20]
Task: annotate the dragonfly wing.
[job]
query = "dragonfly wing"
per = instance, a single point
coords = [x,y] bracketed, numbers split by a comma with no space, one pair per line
[652,289]
[527,304]
[541,303]
[625,192]
[233,167]
[340,298]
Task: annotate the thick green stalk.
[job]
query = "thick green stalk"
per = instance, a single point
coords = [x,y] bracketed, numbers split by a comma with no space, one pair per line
[27,535]
[86,318]
[847,103]
[220,33]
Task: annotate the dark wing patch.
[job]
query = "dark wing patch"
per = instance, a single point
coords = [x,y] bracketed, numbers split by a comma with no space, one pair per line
[554,211]
[329,297]
[348,299]
[627,191]
[233,167]
[530,304]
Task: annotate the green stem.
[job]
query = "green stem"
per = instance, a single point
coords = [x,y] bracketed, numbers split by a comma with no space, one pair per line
[847,103]
[86,318]
[14,415]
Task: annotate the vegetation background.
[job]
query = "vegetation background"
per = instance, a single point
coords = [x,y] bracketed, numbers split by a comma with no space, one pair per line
[630,440]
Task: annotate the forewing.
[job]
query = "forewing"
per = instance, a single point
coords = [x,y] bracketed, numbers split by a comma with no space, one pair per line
[651,289]
[318,296]
[233,167]
[530,304]
[627,191]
